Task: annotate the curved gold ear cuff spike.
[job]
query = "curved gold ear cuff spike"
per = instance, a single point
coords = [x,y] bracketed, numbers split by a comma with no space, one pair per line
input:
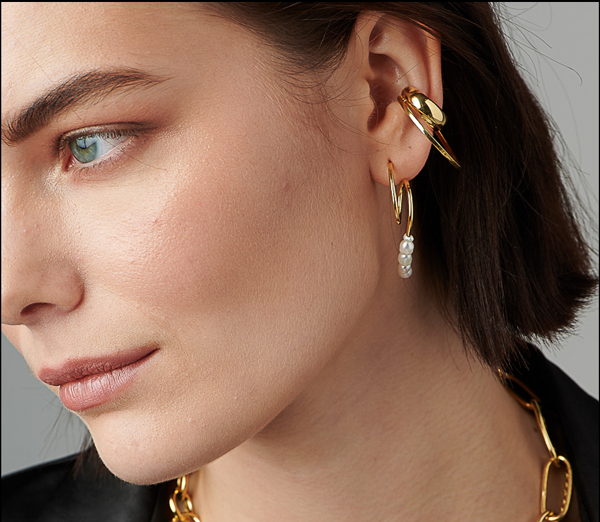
[413,100]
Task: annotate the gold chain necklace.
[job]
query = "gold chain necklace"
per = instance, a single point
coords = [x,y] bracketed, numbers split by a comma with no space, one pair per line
[186,513]
[532,403]
[180,497]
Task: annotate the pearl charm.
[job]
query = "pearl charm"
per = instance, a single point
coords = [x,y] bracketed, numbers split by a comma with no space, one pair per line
[404,260]
[407,247]
[403,274]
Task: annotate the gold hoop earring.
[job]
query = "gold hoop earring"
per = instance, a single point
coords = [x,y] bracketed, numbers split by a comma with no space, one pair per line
[432,115]
[407,245]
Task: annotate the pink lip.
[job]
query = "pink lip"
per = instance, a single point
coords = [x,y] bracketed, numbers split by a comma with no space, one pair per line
[86,383]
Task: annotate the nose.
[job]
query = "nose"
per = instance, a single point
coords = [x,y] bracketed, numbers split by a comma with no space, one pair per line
[38,280]
[30,294]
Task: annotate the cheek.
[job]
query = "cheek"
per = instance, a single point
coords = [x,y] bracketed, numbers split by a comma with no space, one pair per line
[232,224]
[197,244]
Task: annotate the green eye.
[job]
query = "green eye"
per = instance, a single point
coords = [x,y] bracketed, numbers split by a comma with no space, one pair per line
[86,149]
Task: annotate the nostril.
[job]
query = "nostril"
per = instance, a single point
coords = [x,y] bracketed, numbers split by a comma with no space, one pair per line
[33,308]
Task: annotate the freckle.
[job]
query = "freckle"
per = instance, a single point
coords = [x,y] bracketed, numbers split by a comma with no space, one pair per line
[286,192]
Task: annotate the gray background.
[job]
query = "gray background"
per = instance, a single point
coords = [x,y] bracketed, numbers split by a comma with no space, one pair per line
[556,44]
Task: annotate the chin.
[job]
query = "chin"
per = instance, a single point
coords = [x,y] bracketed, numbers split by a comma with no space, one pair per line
[151,456]
[140,475]
[143,470]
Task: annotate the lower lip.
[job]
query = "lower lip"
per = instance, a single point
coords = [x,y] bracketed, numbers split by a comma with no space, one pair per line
[99,388]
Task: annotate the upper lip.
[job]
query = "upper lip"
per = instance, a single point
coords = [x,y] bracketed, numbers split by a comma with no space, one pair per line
[73,370]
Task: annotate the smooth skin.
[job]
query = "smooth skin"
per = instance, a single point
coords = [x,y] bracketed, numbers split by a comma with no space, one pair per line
[248,233]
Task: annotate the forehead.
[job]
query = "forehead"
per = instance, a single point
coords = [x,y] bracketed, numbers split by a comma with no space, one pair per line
[46,42]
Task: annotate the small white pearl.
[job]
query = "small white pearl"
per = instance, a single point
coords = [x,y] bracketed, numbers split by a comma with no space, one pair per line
[407,247]
[404,259]
[403,274]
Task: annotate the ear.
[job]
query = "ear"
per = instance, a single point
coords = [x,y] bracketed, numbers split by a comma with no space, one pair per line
[392,55]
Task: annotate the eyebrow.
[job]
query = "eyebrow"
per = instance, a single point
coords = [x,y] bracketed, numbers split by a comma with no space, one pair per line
[77,91]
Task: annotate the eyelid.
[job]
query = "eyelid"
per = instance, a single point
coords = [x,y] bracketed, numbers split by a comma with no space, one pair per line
[61,144]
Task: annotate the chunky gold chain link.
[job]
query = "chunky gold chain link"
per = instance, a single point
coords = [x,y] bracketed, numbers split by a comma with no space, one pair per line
[532,403]
[181,497]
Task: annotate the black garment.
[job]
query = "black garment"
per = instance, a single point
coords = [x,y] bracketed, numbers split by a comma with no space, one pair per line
[49,493]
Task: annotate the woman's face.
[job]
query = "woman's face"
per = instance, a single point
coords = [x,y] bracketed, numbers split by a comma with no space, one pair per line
[224,227]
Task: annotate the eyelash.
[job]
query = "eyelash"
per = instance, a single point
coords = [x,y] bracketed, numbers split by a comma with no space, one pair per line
[64,151]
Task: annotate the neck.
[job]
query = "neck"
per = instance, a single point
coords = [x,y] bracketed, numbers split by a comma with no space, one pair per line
[401,425]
